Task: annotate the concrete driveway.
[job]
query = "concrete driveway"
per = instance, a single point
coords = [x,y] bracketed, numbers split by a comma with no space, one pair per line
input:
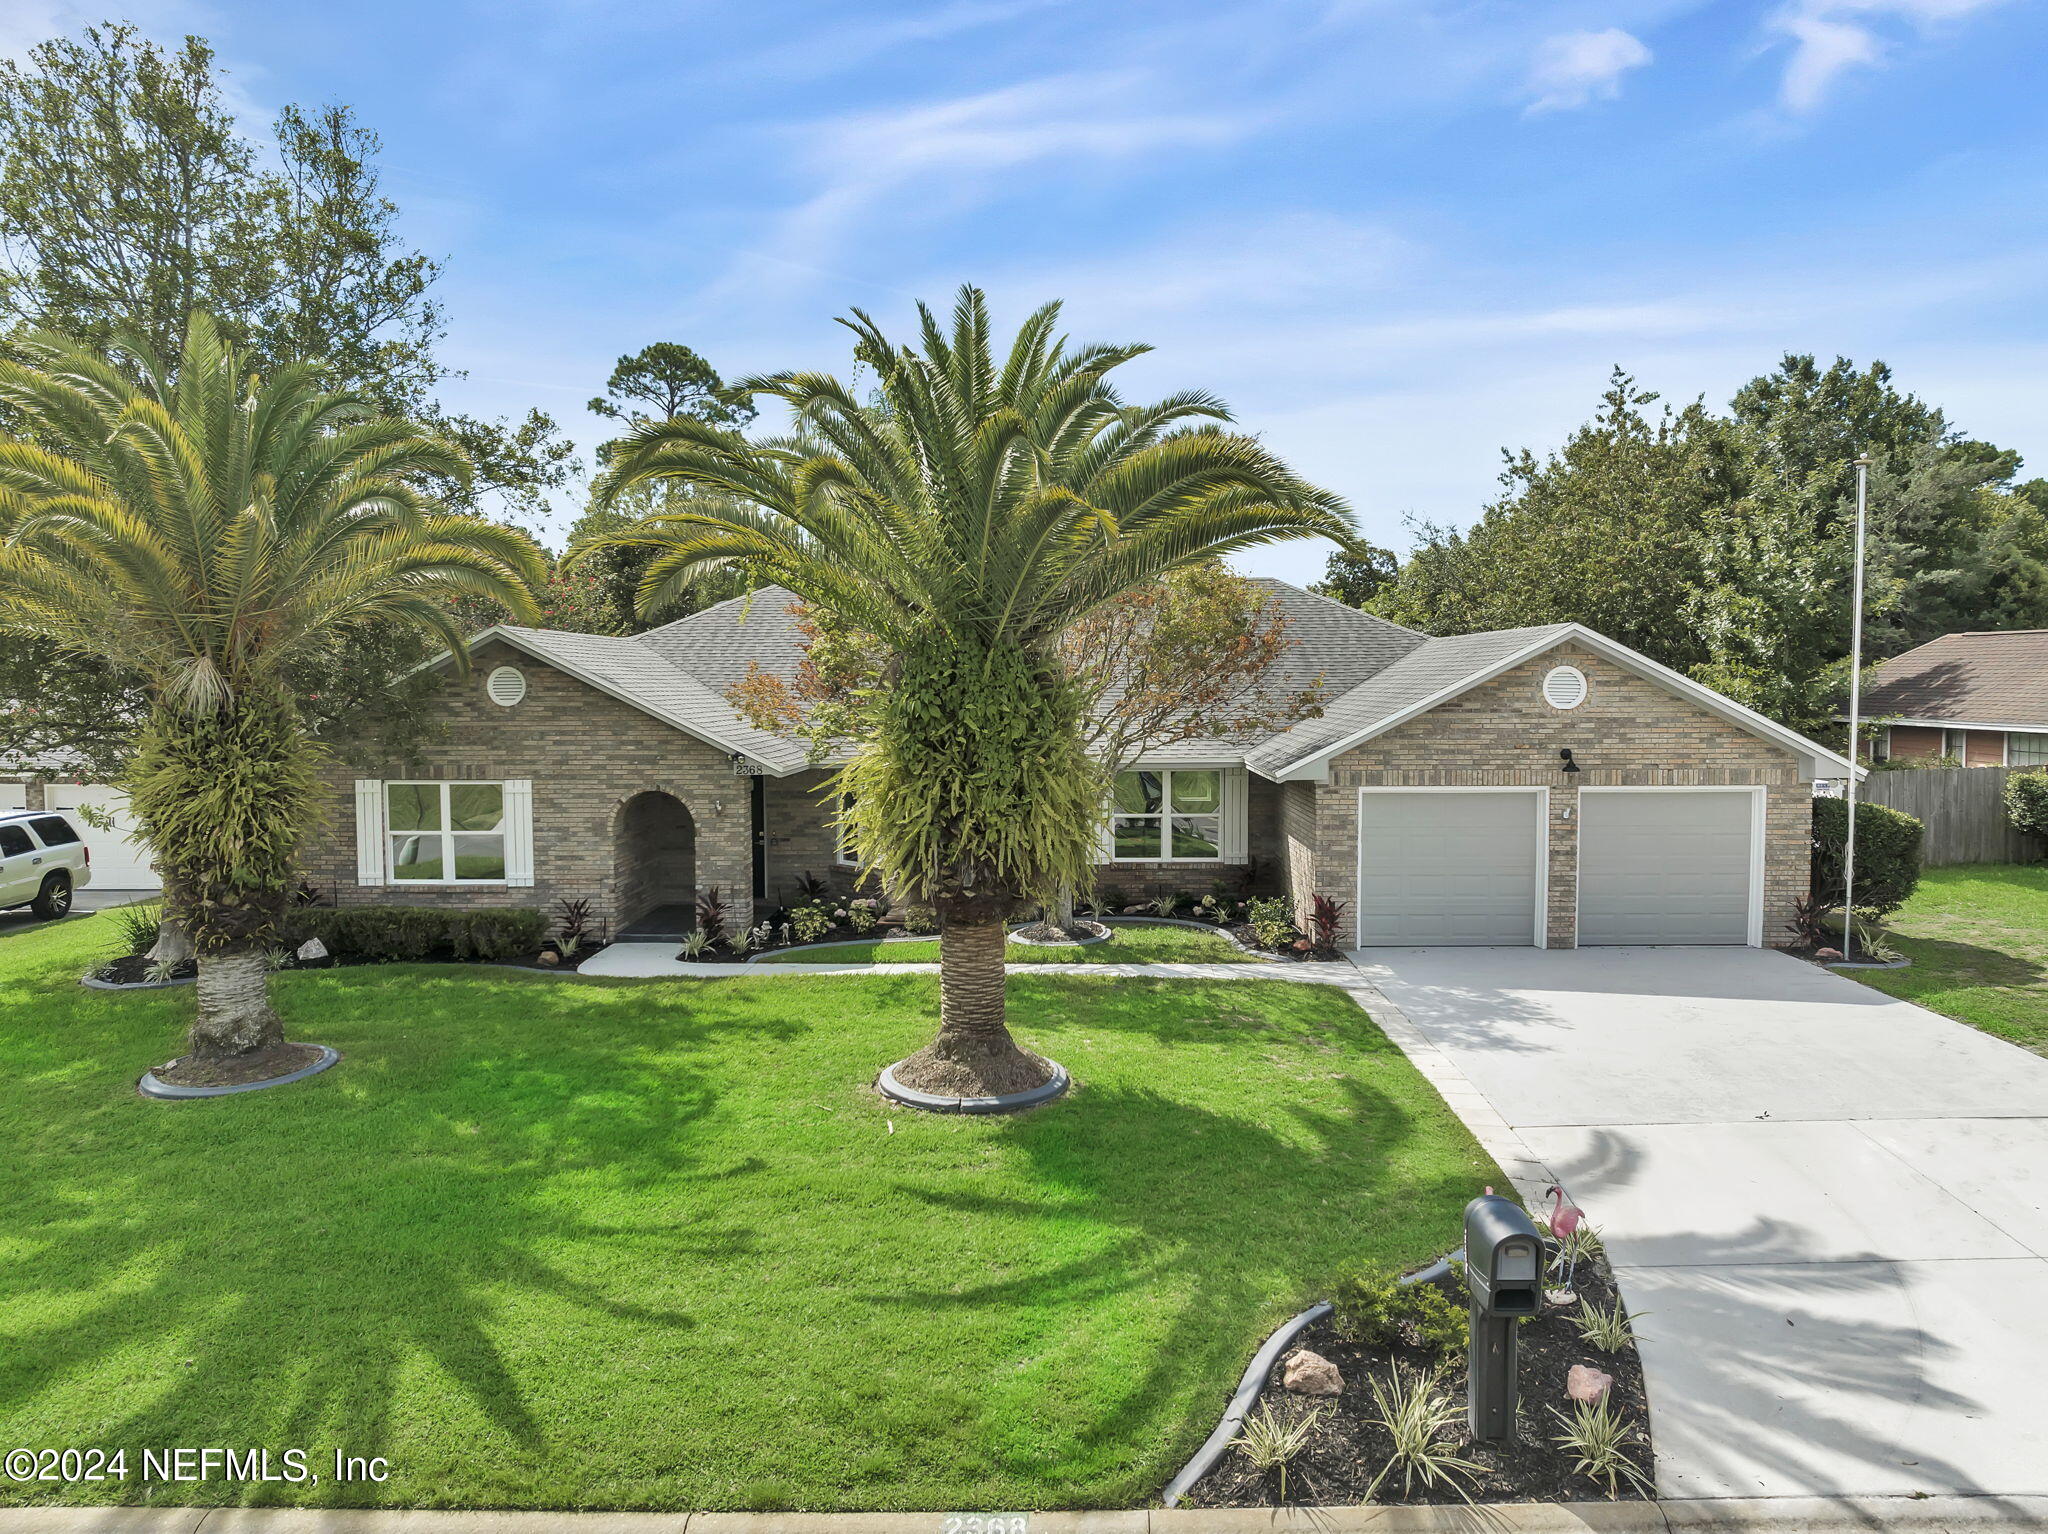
[1830,1207]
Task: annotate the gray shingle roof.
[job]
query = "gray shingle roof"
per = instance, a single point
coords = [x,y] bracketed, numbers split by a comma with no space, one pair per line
[1427,668]
[634,672]
[1995,676]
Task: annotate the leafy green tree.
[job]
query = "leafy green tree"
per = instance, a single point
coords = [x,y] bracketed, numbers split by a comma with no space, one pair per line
[1357,579]
[665,380]
[205,529]
[129,200]
[1604,532]
[966,519]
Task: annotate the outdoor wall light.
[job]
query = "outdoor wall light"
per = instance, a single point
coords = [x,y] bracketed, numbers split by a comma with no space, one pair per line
[1565,756]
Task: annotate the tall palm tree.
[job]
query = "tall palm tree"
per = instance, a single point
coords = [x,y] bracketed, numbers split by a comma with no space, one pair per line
[964,517]
[203,529]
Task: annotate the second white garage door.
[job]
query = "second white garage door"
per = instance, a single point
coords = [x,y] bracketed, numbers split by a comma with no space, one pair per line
[1667,866]
[120,859]
[1457,867]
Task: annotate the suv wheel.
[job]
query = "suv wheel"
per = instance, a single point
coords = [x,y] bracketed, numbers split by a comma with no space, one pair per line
[55,899]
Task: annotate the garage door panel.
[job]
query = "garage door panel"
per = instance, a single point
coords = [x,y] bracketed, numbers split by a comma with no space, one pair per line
[1665,867]
[1455,869]
[120,859]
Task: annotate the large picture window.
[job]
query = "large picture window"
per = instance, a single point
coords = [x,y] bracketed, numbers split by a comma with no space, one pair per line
[446,833]
[2026,750]
[1168,815]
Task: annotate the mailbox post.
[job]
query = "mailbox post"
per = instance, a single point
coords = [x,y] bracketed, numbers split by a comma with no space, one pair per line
[1504,1272]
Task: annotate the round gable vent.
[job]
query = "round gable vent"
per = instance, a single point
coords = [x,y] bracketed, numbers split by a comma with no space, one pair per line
[505,686]
[1564,687]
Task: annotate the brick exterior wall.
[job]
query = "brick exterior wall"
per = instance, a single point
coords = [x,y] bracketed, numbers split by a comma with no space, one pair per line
[800,838]
[587,755]
[1909,741]
[1629,731]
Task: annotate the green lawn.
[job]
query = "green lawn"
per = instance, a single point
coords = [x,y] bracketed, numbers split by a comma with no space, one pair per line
[1978,938]
[656,1245]
[1134,943]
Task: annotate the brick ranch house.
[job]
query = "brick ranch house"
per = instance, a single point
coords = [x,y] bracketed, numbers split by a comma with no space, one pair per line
[1980,699]
[1541,786]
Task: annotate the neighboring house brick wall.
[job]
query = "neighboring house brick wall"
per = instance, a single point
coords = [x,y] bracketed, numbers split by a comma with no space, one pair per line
[1912,742]
[1984,748]
[586,754]
[1628,731]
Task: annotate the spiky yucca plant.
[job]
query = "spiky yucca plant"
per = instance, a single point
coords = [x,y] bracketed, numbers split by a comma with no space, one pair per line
[203,528]
[965,517]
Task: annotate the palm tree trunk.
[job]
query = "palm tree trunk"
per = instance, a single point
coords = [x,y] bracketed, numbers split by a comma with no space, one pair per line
[235,1015]
[974,1055]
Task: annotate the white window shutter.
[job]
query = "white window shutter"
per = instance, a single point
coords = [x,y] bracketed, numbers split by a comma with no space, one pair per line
[1236,794]
[519,833]
[369,831]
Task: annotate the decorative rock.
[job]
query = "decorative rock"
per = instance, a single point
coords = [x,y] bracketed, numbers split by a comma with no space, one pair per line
[1825,955]
[1310,1374]
[312,948]
[1136,910]
[550,957]
[1562,1298]
[1583,1382]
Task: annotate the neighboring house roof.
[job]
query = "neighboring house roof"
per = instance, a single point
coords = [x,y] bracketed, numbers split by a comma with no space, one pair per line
[1375,676]
[1996,678]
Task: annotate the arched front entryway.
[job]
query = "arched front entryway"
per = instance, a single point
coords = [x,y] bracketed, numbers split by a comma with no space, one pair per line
[654,866]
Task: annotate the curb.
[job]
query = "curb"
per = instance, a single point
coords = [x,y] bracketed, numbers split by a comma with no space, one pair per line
[1737,1515]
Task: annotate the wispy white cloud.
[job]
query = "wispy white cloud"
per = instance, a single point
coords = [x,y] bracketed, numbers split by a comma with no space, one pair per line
[1831,37]
[1576,68]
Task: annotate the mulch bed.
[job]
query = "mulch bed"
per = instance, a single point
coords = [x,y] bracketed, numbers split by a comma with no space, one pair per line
[263,1065]
[134,969]
[1350,1446]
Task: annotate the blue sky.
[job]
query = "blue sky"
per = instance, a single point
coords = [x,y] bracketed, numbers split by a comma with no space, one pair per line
[1397,235]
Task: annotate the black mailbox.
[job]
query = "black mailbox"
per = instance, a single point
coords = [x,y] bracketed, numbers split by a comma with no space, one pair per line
[1503,1258]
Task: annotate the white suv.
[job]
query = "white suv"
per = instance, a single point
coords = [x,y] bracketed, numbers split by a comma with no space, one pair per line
[42,861]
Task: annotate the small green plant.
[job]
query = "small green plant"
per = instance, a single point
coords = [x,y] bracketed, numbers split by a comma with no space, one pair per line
[277,959]
[137,925]
[1374,1307]
[811,922]
[1165,905]
[1608,1330]
[1110,899]
[1576,1249]
[1598,1435]
[1271,1444]
[696,944]
[1420,1416]
[1272,921]
[572,924]
[920,920]
[741,942]
[862,916]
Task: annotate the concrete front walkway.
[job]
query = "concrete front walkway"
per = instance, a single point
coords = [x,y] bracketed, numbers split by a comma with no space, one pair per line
[1830,1207]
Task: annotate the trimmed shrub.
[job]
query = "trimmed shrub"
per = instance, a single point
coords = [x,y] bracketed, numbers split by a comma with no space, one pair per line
[1887,854]
[397,934]
[1372,1306]
[2026,802]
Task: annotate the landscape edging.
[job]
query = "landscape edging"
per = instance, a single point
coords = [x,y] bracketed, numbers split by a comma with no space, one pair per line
[1253,1385]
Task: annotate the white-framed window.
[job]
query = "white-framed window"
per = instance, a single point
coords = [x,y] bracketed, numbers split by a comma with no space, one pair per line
[844,853]
[1167,815]
[2026,749]
[418,832]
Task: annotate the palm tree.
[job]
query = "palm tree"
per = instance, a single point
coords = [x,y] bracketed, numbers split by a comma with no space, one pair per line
[964,517]
[203,529]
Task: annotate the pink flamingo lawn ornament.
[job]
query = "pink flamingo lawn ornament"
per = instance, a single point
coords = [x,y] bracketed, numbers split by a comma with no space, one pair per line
[1564,1219]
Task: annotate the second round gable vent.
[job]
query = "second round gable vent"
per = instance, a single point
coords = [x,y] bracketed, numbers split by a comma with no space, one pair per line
[1564,687]
[505,686]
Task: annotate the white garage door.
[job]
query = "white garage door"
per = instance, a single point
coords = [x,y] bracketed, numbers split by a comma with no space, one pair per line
[13,796]
[119,860]
[1449,867]
[1666,867]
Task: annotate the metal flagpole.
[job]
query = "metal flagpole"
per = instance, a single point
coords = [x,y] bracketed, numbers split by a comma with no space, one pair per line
[1863,464]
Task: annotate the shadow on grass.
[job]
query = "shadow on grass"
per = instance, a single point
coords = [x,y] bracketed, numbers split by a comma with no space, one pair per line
[425,1176]
[1968,963]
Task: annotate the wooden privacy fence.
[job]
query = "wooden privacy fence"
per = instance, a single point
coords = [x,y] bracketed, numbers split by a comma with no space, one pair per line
[1963,809]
